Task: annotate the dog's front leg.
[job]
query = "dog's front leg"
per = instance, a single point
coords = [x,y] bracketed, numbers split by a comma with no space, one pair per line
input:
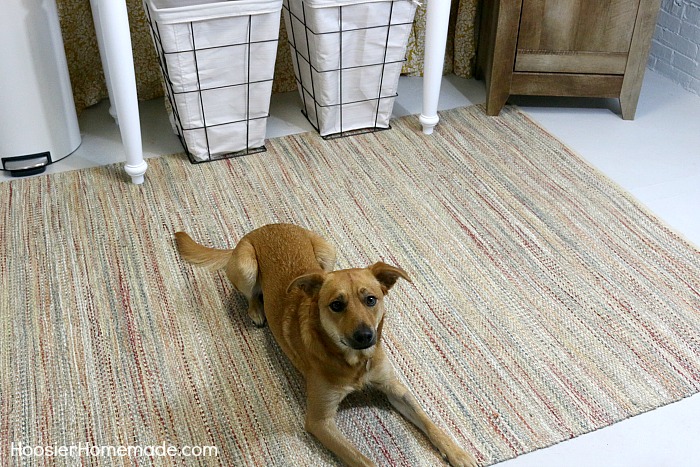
[322,404]
[401,398]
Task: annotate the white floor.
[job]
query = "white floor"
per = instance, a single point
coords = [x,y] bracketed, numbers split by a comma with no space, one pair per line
[656,157]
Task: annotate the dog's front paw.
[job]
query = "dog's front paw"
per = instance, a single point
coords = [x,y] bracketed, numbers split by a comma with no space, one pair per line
[452,453]
[457,457]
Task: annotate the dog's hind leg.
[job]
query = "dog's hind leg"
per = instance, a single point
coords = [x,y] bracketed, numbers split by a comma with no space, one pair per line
[323,251]
[242,271]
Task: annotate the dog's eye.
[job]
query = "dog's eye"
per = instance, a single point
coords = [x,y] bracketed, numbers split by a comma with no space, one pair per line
[371,300]
[337,306]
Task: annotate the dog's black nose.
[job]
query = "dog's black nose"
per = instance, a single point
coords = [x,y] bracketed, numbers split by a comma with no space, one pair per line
[362,338]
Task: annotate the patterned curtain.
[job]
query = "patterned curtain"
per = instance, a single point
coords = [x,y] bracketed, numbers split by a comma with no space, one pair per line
[88,79]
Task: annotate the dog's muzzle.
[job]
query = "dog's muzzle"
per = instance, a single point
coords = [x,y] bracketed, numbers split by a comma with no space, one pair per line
[363,338]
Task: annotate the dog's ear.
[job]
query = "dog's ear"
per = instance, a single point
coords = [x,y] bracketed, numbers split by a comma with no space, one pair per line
[310,283]
[387,275]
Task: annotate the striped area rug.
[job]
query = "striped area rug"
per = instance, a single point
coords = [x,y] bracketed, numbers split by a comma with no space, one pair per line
[545,302]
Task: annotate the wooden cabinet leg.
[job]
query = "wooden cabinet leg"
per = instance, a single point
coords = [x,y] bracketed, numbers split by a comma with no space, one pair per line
[638,56]
[628,105]
[495,102]
[499,38]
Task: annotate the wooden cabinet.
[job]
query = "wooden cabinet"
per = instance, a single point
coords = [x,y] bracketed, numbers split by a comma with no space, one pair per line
[586,48]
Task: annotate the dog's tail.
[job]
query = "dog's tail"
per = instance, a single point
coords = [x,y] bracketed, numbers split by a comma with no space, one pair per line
[193,252]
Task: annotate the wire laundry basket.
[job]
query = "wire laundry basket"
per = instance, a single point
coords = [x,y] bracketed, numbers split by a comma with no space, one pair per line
[347,57]
[217,60]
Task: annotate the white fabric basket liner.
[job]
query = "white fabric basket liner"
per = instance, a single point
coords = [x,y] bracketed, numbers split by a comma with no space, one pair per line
[351,116]
[355,50]
[179,11]
[358,84]
[322,18]
[219,59]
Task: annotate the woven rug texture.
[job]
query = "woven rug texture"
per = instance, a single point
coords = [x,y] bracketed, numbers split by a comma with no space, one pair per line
[545,303]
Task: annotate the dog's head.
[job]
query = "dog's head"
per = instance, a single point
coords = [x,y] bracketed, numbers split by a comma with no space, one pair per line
[350,302]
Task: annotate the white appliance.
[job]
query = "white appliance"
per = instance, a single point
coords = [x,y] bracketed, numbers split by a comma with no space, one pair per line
[38,122]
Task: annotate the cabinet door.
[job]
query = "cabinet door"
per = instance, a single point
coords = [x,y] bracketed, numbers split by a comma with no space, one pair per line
[575,36]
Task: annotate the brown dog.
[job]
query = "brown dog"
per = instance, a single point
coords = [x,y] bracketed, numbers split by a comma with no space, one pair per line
[329,324]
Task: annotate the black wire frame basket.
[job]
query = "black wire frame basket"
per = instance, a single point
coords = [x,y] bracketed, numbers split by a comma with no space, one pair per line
[307,87]
[182,129]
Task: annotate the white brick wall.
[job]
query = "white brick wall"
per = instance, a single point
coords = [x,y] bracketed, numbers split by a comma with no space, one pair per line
[675,48]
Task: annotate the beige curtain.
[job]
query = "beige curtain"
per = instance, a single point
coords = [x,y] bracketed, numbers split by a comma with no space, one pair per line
[88,79]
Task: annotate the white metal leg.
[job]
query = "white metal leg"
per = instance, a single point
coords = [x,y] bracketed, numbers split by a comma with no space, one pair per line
[112,25]
[103,56]
[436,23]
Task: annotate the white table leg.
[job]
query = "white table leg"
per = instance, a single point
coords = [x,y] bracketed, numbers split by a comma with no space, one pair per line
[436,23]
[112,25]
[103,56]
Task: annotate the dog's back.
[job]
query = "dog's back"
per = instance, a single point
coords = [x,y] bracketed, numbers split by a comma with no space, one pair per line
[284,252]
